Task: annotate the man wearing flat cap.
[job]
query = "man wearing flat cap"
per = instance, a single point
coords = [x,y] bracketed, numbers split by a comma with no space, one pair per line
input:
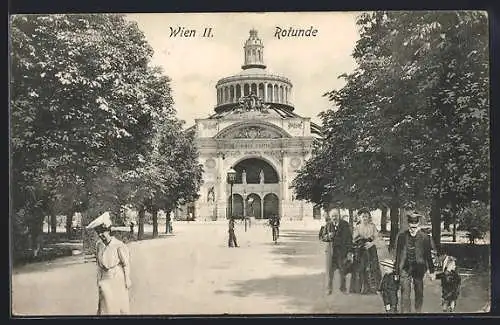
[413,260]
[113,269]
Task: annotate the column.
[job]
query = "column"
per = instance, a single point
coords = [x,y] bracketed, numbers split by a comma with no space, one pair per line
[262,206]
[221,191]
[265,92]
[283,184]
[244,204]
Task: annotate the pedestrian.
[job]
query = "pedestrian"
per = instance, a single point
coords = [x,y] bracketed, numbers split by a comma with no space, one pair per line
[450,284]
[232,237]
[338,237]
[413,260]
[274,222]
[366,275]
[132,224]
[322,231]
[168,226]
[113,269]
[389,287]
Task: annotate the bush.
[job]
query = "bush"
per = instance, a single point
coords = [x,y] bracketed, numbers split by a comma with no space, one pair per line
[475,219]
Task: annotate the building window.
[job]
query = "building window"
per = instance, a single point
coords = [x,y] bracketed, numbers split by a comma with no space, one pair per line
[238,91]
[232,93]
[261,91]
[254,89]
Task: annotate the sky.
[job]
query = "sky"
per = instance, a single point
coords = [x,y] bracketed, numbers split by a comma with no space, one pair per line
[195,64]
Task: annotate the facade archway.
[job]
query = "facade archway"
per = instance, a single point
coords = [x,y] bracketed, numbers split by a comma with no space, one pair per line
[271,205]
[255,171]
[254,204]
[237,205]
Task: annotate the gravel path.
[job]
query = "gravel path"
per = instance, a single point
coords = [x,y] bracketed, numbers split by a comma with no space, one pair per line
[194,272]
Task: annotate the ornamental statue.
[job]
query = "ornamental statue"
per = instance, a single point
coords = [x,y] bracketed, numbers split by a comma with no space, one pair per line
[252,102]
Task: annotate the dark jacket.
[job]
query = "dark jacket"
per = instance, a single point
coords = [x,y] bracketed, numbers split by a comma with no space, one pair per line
[341,239]
[389,289]
[423,251]
[450,284]
[274,221]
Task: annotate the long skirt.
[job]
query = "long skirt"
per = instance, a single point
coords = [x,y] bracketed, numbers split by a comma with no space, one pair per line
[366,275]
[113,295]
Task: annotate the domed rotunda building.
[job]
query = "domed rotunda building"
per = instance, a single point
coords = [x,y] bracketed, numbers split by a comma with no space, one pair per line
[255,132]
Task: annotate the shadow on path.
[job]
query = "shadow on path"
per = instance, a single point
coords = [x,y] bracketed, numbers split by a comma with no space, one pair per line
[306,293]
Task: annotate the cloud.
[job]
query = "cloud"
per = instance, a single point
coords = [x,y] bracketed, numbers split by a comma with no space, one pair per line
[196,64]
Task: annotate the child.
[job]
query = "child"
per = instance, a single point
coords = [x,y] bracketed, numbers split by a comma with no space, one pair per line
[389,287]
[450,284]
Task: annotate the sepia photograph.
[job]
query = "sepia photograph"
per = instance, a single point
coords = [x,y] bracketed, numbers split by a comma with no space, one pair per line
[249,163]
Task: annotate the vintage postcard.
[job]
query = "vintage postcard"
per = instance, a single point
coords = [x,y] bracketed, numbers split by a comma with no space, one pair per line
[250,163]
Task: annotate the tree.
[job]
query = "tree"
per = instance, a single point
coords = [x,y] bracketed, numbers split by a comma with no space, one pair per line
[442,136]
[411,123]
[178,150]
[82,103]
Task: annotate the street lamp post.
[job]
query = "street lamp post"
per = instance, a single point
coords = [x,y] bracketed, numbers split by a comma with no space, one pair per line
[231,178]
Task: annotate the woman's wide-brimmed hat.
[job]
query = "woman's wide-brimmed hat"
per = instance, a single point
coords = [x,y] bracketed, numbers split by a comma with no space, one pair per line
[387,263]
[102,222]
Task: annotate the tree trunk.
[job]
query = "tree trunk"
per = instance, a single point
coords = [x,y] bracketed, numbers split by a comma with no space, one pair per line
[383,219]
[53,223]
[36,231]
[447,220]
[453,219]
[454,231]
[351,218]
[140,230]
[394,214]
[436,222]
[403,220]
[155,223]
[69,223]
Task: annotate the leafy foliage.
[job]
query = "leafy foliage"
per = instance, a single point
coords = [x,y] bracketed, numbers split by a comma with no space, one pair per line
[411,124]
[475,219]
[87,112]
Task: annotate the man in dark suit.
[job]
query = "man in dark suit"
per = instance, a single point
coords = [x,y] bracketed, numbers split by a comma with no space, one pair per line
[232,236]
[274,221]
[413,259]
[337,233]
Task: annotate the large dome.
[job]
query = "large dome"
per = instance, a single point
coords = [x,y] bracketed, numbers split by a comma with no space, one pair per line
[254,78]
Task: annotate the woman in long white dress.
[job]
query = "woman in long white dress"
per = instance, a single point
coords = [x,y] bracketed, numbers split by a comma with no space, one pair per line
[113,269]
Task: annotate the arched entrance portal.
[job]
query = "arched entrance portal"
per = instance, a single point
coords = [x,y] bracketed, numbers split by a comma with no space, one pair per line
[256,189]
[271,205]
